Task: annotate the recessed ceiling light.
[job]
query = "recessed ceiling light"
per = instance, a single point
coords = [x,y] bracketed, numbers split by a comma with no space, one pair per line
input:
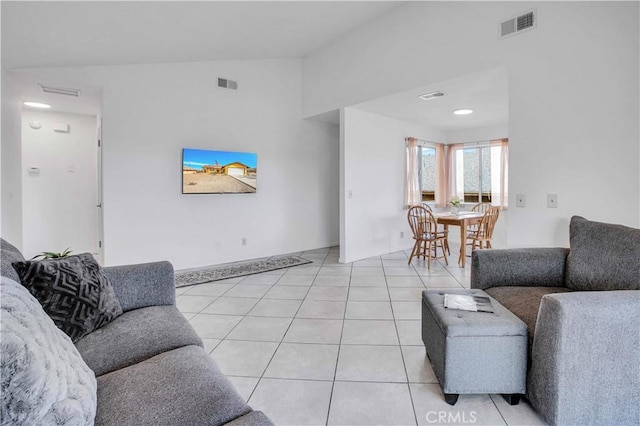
[464,111]
[36,105]
[432,95]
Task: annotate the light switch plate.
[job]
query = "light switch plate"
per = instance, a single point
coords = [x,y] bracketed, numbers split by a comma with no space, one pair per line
[521,200]
[552,201]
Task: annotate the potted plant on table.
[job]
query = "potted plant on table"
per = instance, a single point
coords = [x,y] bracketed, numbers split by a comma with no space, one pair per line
[455,204]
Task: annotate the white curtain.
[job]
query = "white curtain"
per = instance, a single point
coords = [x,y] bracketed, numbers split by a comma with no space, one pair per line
[456,183]
[500,192]
[413,195]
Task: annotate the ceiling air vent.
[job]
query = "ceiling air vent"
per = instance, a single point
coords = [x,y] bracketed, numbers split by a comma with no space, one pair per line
[432,95]
[518,24]
[227,84]
[59,90]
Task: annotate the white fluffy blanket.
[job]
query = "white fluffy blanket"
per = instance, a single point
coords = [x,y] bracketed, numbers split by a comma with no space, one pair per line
[44,379]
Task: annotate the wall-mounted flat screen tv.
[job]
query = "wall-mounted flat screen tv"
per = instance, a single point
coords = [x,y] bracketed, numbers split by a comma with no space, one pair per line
[218,172]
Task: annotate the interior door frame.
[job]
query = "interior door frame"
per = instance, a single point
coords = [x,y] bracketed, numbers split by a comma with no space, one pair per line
[99,200]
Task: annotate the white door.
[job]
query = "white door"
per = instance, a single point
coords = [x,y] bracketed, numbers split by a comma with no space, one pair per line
[235,171]
[59,190]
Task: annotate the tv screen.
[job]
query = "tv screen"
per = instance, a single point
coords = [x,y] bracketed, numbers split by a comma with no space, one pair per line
[218,172]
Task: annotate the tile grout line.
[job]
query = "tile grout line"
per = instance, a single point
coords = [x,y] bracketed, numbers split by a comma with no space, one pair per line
[498,409]
[395,325]
[460,277]
[286,331]
[244,316]
[199,295]
[335,370]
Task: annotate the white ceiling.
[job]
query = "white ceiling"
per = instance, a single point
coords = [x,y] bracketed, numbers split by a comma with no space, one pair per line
[484,92]
[81,33]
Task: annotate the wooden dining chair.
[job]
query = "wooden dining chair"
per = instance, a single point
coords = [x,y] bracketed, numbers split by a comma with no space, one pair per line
[478,208]
[425,233]
[441,228]
[481,237]
[481,207]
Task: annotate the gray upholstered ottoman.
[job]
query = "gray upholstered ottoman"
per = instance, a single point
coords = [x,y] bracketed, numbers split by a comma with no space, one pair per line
[474,352]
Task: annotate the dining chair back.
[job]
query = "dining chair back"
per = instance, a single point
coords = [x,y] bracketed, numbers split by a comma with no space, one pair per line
[481,237]
[478,208]
[424,228]
[427,206]
[441,228]
[481,207]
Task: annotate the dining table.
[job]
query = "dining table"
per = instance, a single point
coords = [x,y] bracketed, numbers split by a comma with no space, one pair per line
[463,220]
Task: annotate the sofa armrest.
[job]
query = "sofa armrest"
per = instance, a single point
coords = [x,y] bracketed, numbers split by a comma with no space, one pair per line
[584,365]
[540,267]
[142,285]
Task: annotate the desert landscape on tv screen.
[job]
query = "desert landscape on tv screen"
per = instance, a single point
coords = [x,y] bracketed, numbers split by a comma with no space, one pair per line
[218,172]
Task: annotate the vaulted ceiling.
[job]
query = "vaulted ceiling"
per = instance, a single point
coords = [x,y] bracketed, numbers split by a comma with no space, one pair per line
[82,33]
[39,34]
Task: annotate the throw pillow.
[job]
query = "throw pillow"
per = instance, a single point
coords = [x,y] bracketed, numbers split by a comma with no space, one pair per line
[602,256]
[45,381]
[74,291]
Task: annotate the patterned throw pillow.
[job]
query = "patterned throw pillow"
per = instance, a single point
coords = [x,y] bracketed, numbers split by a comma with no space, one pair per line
[74,292]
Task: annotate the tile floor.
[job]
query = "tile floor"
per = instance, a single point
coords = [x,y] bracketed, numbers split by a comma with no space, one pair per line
[336,344]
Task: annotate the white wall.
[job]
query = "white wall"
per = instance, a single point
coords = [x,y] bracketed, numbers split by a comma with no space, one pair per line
[573,96]
[373,155]
[476,134]
[151,112]
[11,223]
[59,202]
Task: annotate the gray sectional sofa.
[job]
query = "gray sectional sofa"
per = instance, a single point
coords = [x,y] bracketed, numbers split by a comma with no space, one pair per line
[582,310]
[149,362]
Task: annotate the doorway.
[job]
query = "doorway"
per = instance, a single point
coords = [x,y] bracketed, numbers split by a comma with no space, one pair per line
[60,182]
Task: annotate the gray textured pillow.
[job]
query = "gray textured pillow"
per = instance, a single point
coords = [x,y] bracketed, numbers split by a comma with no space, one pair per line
[44,379]
[603,256]
[74,291]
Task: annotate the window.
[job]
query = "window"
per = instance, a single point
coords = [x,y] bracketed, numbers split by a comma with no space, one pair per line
[474,172]
[478,173]
[428,173]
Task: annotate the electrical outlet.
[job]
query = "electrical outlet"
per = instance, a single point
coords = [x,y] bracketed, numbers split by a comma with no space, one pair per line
[552,201]
[521,200]
[401,234]
[243,241]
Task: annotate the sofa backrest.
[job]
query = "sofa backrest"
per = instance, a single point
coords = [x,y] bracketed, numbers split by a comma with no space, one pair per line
[602,256]
[8,255]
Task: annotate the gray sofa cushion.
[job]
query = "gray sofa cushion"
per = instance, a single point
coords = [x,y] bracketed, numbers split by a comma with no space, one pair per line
[135,336]
[9,255]
[524,302]
[179,387]
[603,256]
[540,267]
[143,284]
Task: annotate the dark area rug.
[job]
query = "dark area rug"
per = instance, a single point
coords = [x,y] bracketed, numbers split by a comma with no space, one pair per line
[222,272]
